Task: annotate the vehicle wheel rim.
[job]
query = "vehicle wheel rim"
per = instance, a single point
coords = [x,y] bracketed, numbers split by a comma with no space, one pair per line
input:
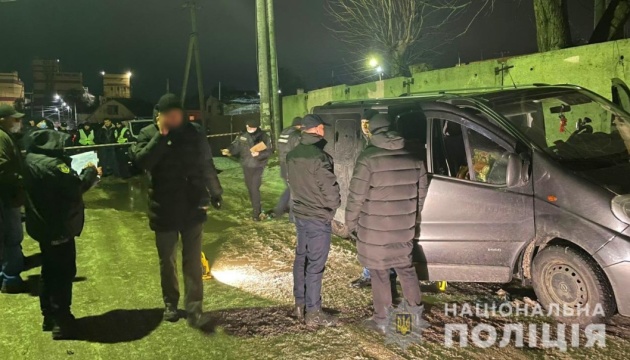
[566,286]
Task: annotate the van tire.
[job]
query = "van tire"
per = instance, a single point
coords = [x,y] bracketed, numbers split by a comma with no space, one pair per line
[340,229]
[563,272]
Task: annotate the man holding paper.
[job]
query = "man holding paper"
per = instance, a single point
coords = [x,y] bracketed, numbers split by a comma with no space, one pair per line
[54,218]
[253,147]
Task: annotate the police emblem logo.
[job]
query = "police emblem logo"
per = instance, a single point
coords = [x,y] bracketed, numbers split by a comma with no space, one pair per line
[403,324]
[64,168]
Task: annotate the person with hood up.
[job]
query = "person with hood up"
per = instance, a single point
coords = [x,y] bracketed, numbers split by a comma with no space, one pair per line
[316,198]
[385,199]
[184,183]
[54,218]
[253,162]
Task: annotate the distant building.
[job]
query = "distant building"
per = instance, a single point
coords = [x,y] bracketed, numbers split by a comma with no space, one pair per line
[11,88]
[49,80]
[121,109]
[117,86]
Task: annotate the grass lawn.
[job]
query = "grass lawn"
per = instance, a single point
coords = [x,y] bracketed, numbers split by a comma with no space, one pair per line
[117,295]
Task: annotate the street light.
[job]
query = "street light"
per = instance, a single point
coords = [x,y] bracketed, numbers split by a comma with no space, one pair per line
[373,62]
[57,97]
[129,73]
[379,70]
[103,73]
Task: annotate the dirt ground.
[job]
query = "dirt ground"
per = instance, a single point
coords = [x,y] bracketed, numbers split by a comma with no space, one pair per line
[118,301]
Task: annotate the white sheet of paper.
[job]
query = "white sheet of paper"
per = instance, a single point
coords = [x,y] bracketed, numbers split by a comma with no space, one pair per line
[80,161]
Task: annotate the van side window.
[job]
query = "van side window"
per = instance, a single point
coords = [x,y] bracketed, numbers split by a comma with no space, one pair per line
[455,149]
[488,159]
[449,151]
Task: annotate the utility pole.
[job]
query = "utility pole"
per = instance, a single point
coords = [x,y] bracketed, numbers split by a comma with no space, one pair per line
[273,62]
[263,64]
[193,50]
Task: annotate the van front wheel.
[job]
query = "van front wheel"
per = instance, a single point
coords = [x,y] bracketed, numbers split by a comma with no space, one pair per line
[569,279]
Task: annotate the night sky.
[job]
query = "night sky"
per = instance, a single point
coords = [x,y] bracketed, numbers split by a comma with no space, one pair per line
[150,38]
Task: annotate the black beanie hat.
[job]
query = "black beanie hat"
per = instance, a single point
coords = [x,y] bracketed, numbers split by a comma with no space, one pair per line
[297,121]
[169,102]
[253,123]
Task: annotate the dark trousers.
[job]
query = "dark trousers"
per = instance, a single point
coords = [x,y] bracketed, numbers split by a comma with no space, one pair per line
[253,181]
[191,257]
[284,204]
[122,163]
[311,254]
[11,236]
[59,267]
[108,160]
[381,289]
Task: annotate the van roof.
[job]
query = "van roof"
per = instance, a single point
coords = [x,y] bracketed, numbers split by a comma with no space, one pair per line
[484,94]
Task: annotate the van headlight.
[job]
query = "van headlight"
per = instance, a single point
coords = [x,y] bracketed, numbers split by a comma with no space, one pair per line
[621,208]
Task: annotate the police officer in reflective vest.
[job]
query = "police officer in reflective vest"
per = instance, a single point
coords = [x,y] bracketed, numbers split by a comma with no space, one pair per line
[86,135]
[122,133]
[289,139]
[122,136]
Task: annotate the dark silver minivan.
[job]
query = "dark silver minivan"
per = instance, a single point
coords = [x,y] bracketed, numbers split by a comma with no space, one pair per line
[529,183]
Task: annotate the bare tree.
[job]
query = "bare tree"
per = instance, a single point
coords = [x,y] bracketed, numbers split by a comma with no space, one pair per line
[402,32]
[552,24]
[612,21]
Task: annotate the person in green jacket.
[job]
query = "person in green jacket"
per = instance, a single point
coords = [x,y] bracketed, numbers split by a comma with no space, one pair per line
[11,200]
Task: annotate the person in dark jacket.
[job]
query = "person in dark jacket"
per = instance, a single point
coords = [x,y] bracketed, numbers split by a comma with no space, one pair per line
[184,183]
[253,162]
[107,135]
[316,197]
[289,139]
[11,200]
[54,218]
[386,196]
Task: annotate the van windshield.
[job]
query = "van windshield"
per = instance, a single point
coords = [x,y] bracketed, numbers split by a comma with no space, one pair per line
[572,125]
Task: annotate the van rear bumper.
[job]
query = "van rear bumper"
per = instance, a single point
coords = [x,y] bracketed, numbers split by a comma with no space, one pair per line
[619,276]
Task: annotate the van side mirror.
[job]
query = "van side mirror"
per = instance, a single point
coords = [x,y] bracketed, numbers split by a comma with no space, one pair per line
[517,173]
